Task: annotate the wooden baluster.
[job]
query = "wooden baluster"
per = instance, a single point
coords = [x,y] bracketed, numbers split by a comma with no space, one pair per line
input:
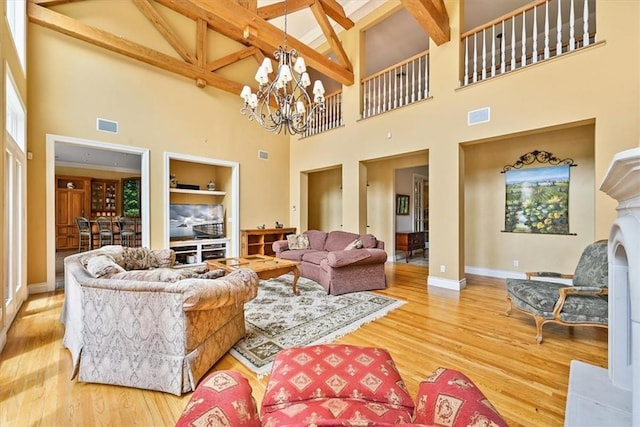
[484,55]
[406,84]
[572,19]
[378,96]
[546,31]
[534,36]
[585,24]
[475,58]
[413,81]
[523,57]
[420,78]
[493,50]
[466,61]
[503,64]
[559,29]
[426,76]
[513,43]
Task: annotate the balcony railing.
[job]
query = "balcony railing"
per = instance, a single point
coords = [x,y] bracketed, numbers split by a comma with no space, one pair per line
[331,118]
[399,85]
[540,30]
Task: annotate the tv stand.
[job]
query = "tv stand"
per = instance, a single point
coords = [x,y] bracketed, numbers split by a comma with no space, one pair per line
[200,250]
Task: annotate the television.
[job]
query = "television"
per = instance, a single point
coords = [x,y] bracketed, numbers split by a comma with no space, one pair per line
[188,221]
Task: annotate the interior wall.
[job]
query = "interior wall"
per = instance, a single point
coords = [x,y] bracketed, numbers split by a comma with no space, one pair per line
[486,246]
[75,83]
[325,199]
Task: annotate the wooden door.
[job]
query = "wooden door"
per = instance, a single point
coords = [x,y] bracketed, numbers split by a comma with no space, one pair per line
[69,205]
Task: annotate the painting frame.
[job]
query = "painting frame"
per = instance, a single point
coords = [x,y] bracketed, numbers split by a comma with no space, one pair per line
[402,204]
[537,200]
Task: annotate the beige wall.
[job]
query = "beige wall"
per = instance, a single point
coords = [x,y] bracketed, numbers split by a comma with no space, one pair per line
[577,87]
[486,246]
[325,199]
[71,83]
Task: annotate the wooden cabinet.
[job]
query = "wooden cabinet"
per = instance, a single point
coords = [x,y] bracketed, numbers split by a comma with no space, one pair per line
[71,201]
[258,242]
[104,196]
[411,241]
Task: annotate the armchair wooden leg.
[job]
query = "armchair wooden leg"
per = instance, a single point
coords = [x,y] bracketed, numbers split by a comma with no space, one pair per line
[539,323]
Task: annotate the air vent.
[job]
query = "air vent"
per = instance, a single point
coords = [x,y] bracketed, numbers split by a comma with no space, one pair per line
[481,115]
[264,155]
[105,125]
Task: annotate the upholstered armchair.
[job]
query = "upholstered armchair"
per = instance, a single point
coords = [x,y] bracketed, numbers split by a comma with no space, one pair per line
[583,303]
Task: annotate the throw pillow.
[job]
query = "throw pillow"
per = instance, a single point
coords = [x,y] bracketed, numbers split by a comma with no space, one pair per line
[136,258]
[103,265]
[162,258]
[298,241]
[356,244]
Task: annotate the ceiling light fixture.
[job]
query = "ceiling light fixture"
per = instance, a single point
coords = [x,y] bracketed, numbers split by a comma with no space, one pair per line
[284,102]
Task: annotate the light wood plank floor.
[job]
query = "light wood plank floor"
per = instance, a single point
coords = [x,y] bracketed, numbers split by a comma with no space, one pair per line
[468,331]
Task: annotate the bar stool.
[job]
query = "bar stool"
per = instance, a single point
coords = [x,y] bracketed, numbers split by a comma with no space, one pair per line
[128,228]
[105,230]
[84,233]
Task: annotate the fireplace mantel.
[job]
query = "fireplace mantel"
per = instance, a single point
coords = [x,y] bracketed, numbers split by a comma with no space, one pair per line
[607,395]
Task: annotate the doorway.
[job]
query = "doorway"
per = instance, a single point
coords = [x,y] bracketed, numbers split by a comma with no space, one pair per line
[52,142]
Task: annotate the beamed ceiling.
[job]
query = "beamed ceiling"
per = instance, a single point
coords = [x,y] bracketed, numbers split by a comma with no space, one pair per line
[239,20]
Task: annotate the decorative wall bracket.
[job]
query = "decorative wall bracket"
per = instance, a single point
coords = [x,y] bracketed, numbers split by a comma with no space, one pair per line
[540,157]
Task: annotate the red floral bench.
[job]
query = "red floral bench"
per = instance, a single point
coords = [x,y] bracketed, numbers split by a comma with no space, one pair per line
[332,385]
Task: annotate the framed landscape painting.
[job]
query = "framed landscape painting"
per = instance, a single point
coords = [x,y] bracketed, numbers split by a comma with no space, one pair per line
[537,200]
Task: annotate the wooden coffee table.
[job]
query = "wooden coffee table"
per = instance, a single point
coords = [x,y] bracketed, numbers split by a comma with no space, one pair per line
[266,267]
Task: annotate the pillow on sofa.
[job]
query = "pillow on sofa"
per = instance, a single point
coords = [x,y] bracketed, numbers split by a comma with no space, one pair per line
[169,274]
[298,241]
[136,258]
[356,244]
[162,258]
[103,265]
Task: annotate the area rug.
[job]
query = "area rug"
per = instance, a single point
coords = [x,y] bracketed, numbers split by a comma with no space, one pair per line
[278,319]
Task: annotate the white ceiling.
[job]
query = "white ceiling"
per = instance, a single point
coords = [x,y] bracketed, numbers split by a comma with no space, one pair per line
[387,43]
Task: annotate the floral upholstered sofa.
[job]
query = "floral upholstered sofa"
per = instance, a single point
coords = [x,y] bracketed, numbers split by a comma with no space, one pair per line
[132,320]
[340,261]
[339,385]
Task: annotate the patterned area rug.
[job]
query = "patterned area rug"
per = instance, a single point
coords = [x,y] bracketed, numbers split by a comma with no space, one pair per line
[278,319]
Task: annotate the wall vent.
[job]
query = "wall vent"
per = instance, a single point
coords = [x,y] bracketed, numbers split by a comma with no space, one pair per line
[105,125]
[481,115]
[264,155]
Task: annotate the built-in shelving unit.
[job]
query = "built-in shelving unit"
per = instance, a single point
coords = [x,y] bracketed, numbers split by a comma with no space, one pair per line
[259,241]
[200,192]
[198,172]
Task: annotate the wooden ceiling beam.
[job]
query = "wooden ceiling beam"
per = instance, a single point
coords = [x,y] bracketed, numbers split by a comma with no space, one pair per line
[251,5]
[81,31]
[432,16]
[164,29]
[49,3]
[330,34]
[233,58]
[336,12]
[278,9]
[267,37]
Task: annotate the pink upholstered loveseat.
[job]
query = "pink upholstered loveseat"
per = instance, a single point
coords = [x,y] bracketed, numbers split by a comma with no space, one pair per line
[339,385]
[340,261]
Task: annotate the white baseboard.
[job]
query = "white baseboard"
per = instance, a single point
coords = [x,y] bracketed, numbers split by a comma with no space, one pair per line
[507,274]
[39,288]
[439,282]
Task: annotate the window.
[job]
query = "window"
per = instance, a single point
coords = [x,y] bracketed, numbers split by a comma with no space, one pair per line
[15,122]
[16,17]
[131,197]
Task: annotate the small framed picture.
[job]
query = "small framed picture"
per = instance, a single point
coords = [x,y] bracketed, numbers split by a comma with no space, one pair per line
[402,204]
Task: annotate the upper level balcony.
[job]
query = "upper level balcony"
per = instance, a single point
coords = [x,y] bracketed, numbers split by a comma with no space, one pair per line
[522,37]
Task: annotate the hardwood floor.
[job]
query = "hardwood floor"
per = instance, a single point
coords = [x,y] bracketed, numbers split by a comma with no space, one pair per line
[468,331]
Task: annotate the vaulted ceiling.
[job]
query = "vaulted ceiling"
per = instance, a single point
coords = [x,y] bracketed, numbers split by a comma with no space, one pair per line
[239,20]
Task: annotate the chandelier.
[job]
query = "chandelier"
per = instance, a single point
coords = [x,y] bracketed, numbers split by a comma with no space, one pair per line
[284,103]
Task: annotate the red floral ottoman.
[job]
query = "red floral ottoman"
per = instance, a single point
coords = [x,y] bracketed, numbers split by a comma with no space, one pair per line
[346,384]
[338,385]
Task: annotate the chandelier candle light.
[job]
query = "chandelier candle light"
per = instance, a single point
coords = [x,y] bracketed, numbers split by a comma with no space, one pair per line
[284,102]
